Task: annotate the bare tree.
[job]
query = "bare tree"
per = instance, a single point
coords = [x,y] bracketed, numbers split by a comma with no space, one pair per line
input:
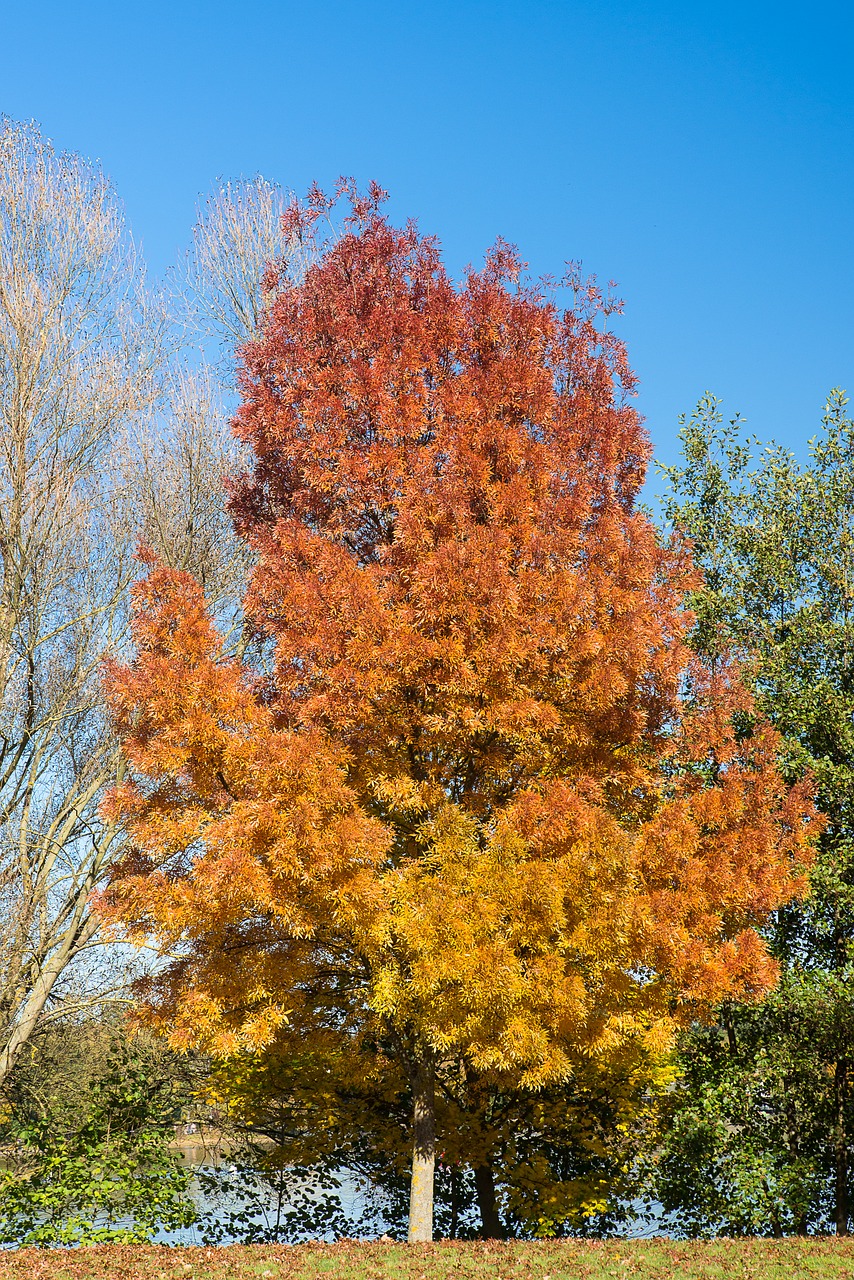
[183,459]
[79,352]
[176,470]
[237,236]
[107,439]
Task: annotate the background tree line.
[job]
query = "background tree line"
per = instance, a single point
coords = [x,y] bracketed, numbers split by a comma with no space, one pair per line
[115,400]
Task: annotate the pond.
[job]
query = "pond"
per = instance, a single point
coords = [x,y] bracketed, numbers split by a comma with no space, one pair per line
[238,1202]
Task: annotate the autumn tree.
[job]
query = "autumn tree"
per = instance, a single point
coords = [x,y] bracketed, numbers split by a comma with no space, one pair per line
[472,791]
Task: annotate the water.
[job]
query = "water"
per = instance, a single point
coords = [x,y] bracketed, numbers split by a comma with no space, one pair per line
[240,1203]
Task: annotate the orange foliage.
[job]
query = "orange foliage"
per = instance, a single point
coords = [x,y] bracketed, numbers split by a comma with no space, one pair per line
[478,793]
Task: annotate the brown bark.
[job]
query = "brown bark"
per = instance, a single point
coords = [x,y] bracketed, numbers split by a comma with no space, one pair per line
[455,1202]
[491,1224]
[423,1150]
[776,1225]
[841,1158]
[32,1007]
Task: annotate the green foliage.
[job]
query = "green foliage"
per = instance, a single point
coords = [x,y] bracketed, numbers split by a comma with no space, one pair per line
[748,1150]
[763,1121]
[88,1159]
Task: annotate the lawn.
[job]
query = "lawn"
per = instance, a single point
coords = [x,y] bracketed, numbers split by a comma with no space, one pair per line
[564,1260]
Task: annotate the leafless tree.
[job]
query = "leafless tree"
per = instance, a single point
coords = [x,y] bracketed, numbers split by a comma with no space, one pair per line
[182,459]
[79,353]
[237,236]
[109,435]
[176,468]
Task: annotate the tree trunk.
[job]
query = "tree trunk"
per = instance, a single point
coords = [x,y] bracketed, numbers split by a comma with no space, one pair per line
[455,1202]
[423,1150]
[33,1004]
[840,1143]
[491,1225]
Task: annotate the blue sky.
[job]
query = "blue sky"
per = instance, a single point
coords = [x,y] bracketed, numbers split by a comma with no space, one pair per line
[698,153]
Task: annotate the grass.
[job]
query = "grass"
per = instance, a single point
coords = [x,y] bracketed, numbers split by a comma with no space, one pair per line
[792,1259]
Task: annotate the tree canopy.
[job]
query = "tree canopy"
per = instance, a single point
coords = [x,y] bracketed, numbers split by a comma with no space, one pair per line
[467,787]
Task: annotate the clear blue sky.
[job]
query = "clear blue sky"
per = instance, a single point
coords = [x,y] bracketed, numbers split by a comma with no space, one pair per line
[701,154]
